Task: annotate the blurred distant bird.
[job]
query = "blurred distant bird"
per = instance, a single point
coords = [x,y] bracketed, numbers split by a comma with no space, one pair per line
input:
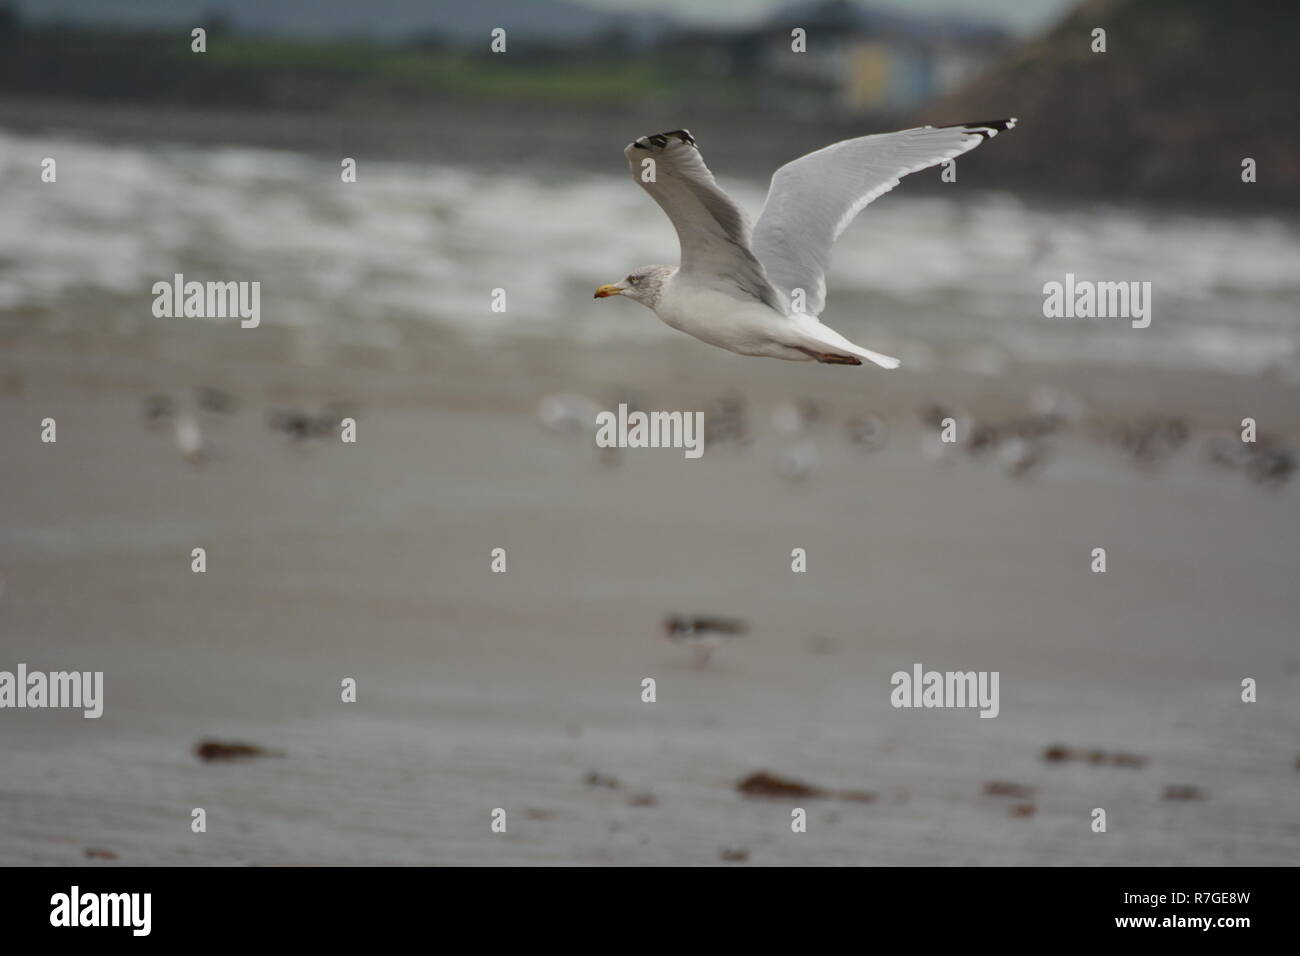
[215,400]
[1056,406]
[564,412]
[796,417]
[1227,450]
[1175,432]
[1266,461]
[726,420]
[703,634]
[158,409]
[1271,465]
[934,414]
[189,439]
[299,425]
[293,423]
[799,461]
[984,438]
[1022,456]
[868,432]
[758,291]
[1151,443]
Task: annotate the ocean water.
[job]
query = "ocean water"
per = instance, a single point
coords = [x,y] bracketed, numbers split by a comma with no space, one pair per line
[414,247]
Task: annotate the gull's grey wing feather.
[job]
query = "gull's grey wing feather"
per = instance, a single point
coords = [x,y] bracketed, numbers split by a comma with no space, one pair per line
[812,199]
[713,231]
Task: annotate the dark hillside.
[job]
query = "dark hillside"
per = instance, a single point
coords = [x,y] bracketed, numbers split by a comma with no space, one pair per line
[1185,91]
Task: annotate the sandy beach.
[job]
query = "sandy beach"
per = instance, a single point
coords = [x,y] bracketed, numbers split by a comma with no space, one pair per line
[479,690]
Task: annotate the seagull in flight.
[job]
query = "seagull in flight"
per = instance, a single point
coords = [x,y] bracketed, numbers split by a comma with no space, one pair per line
[759,290]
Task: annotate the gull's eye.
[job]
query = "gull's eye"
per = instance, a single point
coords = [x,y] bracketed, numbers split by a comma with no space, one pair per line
[633,280]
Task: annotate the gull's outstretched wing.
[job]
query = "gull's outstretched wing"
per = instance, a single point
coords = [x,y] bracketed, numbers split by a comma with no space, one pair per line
[714,233]
[812,199]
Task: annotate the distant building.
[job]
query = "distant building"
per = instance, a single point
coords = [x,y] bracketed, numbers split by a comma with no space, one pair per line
[861,61]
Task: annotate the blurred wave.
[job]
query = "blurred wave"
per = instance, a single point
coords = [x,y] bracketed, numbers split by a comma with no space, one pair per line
[412,246]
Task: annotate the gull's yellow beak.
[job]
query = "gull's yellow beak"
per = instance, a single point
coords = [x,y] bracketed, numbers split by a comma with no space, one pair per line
[606,291]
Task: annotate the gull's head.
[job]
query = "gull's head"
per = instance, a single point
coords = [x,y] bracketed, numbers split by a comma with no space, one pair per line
[644,285]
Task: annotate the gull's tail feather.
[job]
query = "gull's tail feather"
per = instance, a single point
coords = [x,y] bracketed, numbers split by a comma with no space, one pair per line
[884,361]
[825,336]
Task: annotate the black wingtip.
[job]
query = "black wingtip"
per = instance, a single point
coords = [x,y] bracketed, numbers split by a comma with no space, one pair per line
[660,140]
[985,128]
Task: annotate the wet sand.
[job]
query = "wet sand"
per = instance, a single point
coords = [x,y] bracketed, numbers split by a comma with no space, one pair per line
[479,691]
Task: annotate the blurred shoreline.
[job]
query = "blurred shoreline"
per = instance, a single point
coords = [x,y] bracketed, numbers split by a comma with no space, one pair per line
[412,251]
[451,131]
